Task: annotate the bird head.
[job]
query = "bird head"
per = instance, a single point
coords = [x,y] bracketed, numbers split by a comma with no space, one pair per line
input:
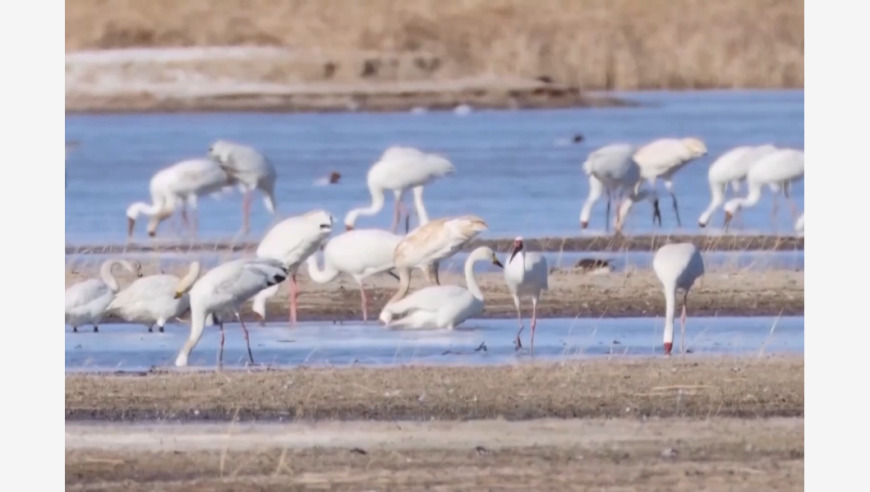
[696,146]
[518,246]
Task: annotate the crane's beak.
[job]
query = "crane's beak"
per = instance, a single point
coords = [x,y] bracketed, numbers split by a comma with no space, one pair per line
[178,295]
[496,262]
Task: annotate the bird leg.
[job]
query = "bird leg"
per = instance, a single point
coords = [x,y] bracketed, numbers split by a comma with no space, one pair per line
[294,294]
[517,342]
[221,349]
[396,214]
[247,338]
[683,324]
[75,329]
[96,330]
[364,301]
[791,203]
[246,211]
[151,328]
[534,323]
[657,213]
[676,211]
[160,328]
[607,214]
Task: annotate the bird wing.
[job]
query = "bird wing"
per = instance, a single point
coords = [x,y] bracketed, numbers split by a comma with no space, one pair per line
[247,277]
[84,292]
[430,299]
[201,176]
[144,291]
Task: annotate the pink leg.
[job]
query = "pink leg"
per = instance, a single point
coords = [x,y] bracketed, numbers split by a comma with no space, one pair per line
[683,324]
[534,323]
[395,226]
[221,350]
[294,293]
[518,342]
[365,301]
[247,338]
[246,211]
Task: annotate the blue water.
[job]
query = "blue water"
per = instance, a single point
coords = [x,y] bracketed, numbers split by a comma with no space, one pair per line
[514,168]
[131,347]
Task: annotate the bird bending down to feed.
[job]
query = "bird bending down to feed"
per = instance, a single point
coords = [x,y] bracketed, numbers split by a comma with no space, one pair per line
[224,289]
[731,167]
[151,300]
[359,253]
[677,266]
[777,170]
[441,306]
[799,224]
[428,244]
[525,274]
[179,184]
[252,170]
[86,301]
[291,241]
[612,169]
[400,169]
[662,158]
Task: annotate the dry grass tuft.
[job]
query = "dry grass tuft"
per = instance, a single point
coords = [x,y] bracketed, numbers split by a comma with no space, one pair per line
[593,44]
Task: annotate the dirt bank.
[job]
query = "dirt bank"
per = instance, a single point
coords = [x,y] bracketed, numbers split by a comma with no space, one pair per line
[724,292]
[669,454]
[692,387]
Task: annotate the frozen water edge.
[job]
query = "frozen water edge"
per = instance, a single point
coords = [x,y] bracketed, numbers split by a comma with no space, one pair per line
[478,342]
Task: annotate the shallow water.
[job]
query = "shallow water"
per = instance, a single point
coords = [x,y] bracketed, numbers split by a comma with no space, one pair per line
[131,347]
[516,169]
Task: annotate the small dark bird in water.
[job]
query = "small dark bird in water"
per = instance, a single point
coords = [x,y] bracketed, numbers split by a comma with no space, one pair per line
[594,265]
[334,177]
[545,79]
[578,138]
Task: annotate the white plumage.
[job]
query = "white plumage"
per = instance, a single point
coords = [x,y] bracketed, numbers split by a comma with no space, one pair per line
[152,300]
[359,253]
[677,266]
[662,158]
[86,301]
[179,184]
[776,170]
[441,306]
[224,289]
[525,274]
[799,224]
[731,167]
[251,169]
[291,241]
[400,169]
[612,169]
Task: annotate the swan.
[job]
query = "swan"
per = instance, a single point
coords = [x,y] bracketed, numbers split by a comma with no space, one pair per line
[224,289]
[291,241]
[441,306]
[525,274]
[662,158]
[151,300]
[178,184]
[776,170]
[677,266]
[86,301]
[251,169]
[399,169]
[359,253]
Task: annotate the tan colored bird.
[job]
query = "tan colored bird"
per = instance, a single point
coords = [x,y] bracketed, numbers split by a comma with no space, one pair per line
[430,243]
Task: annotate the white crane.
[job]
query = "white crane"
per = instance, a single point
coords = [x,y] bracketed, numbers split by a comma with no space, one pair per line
[427,244]
[291,241]
[662,158]
[252,170]
[441,306]
[178,184]
[677,266]
[731,167]
[224,289]
[776,170]
[151,300]
[400,169]
[86,301]
[359,253]
[525,274]
[611,168]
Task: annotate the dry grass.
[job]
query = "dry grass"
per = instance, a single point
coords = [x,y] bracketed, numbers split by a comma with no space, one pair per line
[593,44]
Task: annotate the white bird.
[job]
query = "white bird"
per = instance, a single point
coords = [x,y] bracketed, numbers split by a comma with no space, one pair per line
[427,244]
[86,301]
[662,158]
[251,169]
[731,167]
[776,170]
[799,224]
[677,266]
[224,289]
[151,300]
[525,274]
[359,253]
[400,169]
[613,169]
[179,184]
[291,241]
[441,306]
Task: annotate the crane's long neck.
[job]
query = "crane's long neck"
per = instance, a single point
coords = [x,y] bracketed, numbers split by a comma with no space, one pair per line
[404,284]
[142,208]
[469,278]
[376,206]
[717,192]
[321,276]
[197,325]
[187,282]
[417,191]
[751,199]
[106,275]
[596,188]
[629,201]
[670,308]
